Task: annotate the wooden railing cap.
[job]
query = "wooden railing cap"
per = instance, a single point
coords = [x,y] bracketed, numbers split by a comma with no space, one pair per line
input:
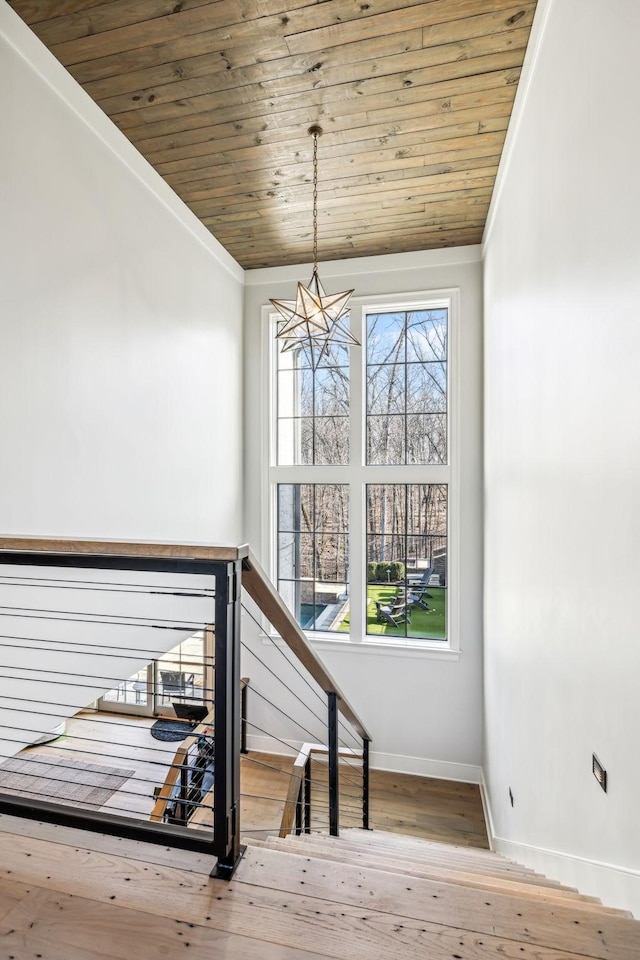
[122,548]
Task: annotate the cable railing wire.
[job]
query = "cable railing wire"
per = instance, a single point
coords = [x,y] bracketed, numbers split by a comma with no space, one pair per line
[299,673]
[151,588]
[76,616]
[128,653]
[167,762]
[281,651]
[312,759]
[285,685]
[83,686]
[298,724]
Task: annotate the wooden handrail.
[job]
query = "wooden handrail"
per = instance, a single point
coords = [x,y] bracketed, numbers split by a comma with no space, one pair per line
[122,548]
[295,778]
[263,593]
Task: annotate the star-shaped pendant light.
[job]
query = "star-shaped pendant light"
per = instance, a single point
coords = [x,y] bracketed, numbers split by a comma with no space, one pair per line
[314,320]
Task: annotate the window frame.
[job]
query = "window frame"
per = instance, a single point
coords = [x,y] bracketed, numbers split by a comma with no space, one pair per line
[357,474]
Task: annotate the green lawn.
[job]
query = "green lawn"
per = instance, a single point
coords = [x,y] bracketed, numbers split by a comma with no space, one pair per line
[425,624]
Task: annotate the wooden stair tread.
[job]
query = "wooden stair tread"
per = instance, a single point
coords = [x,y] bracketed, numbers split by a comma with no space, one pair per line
[497,866]
[452,875]
[384,838]
[279,906]
[556,926]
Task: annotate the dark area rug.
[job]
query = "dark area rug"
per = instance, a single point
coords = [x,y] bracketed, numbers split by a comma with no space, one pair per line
[168,730]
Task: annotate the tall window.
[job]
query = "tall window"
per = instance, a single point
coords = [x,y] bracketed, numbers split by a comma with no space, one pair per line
[361,476]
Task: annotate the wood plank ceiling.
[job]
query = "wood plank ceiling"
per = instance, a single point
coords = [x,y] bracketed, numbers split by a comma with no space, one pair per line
[414,99]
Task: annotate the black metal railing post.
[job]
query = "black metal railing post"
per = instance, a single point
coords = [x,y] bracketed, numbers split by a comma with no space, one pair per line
[332,732]
[365,784]
[227,720]
[243,716]
[299,809]
[182,808]
[307,796]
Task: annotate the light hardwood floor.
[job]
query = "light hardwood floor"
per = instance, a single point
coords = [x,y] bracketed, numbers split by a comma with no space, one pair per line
[399,803]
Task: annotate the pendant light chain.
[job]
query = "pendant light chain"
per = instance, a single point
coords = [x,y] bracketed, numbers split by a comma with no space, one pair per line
[314,321]
[315,202]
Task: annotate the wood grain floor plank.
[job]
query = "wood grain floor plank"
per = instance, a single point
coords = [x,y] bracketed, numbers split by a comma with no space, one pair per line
[343,931]
[89,929]
[606,937]
[458,876]
[11,894]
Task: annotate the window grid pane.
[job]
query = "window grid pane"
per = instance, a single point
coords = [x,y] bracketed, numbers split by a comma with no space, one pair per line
[407,560]
[313,553]
[406,415]
[312,408]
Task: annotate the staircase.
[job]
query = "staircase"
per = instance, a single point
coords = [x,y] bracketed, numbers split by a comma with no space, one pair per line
[71,895]
[440,901]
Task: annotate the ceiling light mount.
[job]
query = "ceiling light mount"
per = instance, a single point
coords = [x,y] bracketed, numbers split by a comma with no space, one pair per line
[314,319]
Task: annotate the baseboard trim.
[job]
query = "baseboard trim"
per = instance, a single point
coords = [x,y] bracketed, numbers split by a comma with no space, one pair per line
[424,767]
[391,762]
[486,809]
[615,886]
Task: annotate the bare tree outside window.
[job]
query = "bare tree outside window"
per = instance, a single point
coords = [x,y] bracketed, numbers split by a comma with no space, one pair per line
[313,407]
[407,387]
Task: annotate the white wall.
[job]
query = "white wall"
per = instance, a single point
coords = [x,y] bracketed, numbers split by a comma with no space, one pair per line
[562,455]
[424,712]
[121,319]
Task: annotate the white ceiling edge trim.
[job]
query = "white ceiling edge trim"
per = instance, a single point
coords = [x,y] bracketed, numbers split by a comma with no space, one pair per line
[384,263]
[536,36]
[27,45]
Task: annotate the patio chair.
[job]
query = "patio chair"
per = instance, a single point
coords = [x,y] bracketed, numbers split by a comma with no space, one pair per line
[411,596]
[395,614]
[418,583]
[174,683]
